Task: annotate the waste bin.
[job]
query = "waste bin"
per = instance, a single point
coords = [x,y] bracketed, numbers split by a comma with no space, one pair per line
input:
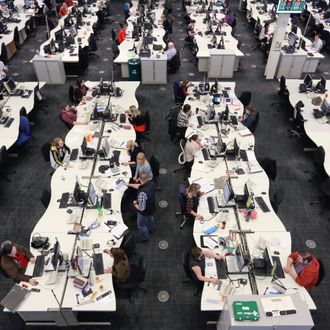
[134,69]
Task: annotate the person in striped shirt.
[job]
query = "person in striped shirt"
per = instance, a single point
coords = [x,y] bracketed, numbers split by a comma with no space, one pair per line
[183,120]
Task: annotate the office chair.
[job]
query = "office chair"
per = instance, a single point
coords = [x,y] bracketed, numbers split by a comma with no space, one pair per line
[3,56]
[155,166]
[182,202]
[172,117]
[324,199]
[318,160]
[138,273]
[83,62]
[188,272]
[115,54]
[113,35]
[194,51]
[3,164]
[71,95]
[270,167]
[321,272]
[128,243]
[181,157]
[45,150]
[255,124]
[277,199]
[298,121]
[245,98]
[257,29]
[16,38]
[178,95]
[283,95]
[45,198]
[92,46]
[145,135]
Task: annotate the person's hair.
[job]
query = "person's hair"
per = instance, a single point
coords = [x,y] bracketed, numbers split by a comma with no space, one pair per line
[196,252]
[63,106]
[122,25]
[56,141]
[140,156]
[78,83]
[193,190]
[130,144]
[306,256]
[194,137]
[6,247]
[118,255]
[192,21]
[318,35]
[185,82]
[23,112]
[252,110]
[134,111]
[186,108]
[266,28]
[143,176]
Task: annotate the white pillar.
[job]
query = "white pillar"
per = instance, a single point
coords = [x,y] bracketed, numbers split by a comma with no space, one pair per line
[275,49]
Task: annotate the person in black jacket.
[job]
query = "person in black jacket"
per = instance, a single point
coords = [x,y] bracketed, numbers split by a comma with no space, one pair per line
[146,206]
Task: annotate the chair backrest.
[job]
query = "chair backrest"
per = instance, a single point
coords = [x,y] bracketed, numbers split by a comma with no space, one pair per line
[128,243]
[318,158]
[71,98]
[138,271]
[245,98]
[92,43]
[175,62]
[182,198]
[147,120]
[45,198]
[115,50]
[142,268]
[3,156]
[282,84]
[182,158]
[270,167]
[185,264]
[83,58]
[255,124]
[155,166]
[45,148]
[321,272]
[178,96]
[278,198]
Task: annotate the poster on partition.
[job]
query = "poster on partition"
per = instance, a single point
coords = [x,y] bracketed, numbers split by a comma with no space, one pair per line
[290,6]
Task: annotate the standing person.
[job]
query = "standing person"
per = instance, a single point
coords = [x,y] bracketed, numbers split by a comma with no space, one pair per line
[145,206]
[136,118]
[14,261]
[193,195]
[183,120]
[58,151]
[191,150]
[122,33]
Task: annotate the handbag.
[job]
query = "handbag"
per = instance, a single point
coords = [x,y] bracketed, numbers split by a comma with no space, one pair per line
[40,242]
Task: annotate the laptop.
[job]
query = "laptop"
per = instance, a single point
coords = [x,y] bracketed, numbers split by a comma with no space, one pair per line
[14,298]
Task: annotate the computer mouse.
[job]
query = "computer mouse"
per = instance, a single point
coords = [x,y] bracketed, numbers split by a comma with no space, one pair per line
[111,189]
[200,162]
[276,253]
[263,193]
[95,122]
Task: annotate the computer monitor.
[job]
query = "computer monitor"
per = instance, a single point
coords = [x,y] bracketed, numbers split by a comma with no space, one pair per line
[323,82]
[236,149]
[9,85]
[78,193]
[55,259]
[58,35]
[292,39]
[225,115]
[228,193]
[241,261]
[84,146]
[106,148]
[92,197]
[303,44]
[308,81]
[325,107]
[221,44]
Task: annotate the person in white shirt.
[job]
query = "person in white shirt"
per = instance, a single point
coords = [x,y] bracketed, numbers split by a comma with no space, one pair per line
[317,43]
[3,70]
[318,17]
[264,33]
[171,51]
[191,150]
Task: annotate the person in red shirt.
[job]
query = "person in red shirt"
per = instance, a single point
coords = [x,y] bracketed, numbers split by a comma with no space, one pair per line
[122,33]
[14,260]
[304,268]
[70,3]
[63,10]
[69,115]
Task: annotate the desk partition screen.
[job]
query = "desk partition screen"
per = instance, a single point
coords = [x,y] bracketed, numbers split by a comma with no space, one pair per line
[290,6]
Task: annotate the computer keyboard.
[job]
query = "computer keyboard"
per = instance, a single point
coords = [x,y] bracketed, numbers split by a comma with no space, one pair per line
[279,269]
[39,266]
[116,154]
[233,119]
[106,201]
[98,264]
[64,200]
[262,204]
[211,204]
[221,268]
[243,155]
[9,122]
[74,154]
[206,154]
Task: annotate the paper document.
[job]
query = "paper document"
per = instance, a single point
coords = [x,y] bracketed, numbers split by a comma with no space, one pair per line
[245,132]
[210,268]
[121,186]
[205,185]
[119,230]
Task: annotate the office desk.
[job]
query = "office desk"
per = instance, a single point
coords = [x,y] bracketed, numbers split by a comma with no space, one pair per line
[13,105]
[56,222]
[317,132]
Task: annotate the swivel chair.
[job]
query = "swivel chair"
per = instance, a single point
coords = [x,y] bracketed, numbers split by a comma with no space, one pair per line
[277,199]
[182,202]
[128,243]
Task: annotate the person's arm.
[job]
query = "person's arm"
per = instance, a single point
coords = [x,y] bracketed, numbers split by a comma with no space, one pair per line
[189,209]
[141,203]
[290,261]
[198,272]
[56,159]
[212,254]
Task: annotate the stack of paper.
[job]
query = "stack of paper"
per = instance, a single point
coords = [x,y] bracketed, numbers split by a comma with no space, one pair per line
[205,185]
[245,132]
[119,230]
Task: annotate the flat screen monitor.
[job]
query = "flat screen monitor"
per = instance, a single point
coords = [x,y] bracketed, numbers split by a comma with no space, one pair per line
[323,82]
[80,260]
[216,99]
[78,193]
[290,7]
[10,85]
[236,149]
[228,193]
[56,255]
[308,81]
[92,197]
[106,148]
[239,258]
[325,106]
[58,35]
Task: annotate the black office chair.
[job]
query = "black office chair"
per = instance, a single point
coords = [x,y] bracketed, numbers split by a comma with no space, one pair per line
[145,135]
[298,121]
[270,167]
[40,101]
[155,167]
[45,198]
[3,163]
[318,160]
[255,124]
[178,95]
[115,54]
[138,273]
[83,59]
[189,273]
[283,95]
[277,199]
[3,56]
[71,95]
[321,272]
[92,46]
[182,202]
[128,243]
[174,63]
[324,199]
[45,150]
[172,118]
[16,38]
[245,98]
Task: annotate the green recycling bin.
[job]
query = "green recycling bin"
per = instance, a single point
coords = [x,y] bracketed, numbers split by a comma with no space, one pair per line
[134,69]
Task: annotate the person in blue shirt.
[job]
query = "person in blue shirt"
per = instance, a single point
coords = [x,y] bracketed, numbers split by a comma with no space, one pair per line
[142,165]
[249,117]
[24,129]
[127,5]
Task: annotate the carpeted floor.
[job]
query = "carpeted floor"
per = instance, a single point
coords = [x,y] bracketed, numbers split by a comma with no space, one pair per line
[20,207]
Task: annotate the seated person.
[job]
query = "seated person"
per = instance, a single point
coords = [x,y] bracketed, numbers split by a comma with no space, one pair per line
[122,33]
[193,195]
[69,115]
[191,150]
[3,71]
[317,44]
[121,269]
[184,87]
[303,267]
[183,120]
[249,117]
[197,264]
[171,51]
[133,150]
[63,10]
[57,153]
[229,17]
[136,118]
[70,3]
[264,33]
[191,31]
[14,261]
[80,91]
[24,128]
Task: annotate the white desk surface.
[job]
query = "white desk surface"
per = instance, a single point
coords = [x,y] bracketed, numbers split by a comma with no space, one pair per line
[317,132]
